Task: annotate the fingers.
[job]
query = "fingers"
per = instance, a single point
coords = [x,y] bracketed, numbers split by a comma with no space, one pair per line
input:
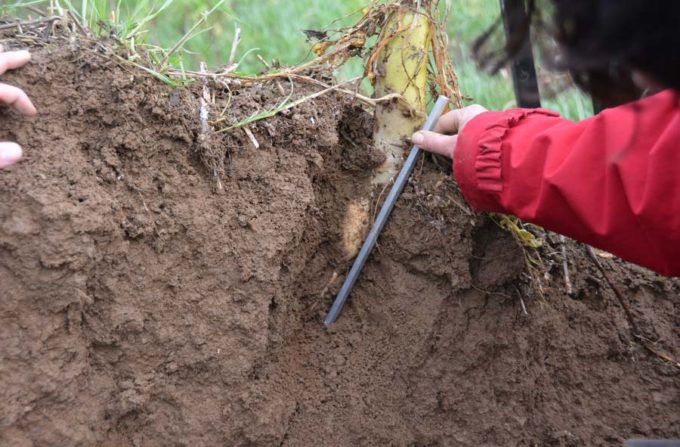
[449,122]
[435,142]
[455,120]
[13,59]
[440,141]
[10,153]
[15,97]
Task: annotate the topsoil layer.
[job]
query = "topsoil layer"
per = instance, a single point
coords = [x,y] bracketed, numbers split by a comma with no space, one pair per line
[158,287]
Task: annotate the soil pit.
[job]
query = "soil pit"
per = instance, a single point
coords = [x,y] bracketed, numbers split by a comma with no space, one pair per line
[161,287]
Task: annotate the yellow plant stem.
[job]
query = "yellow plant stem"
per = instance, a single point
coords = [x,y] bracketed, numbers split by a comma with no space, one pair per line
[398,66]
[401,68]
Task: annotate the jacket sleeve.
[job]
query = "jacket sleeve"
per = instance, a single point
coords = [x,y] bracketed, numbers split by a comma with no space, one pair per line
[612,181]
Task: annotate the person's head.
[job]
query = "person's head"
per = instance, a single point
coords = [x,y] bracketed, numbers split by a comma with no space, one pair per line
[605,42]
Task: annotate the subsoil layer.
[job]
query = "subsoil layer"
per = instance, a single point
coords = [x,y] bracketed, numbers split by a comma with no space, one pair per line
[160,287]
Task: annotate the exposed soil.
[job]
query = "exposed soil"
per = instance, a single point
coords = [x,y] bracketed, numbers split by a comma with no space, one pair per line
[159,288]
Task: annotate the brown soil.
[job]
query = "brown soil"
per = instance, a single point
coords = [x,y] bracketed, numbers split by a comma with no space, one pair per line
[148,300]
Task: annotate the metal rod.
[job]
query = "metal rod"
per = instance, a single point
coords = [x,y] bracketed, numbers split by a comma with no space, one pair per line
[384,214]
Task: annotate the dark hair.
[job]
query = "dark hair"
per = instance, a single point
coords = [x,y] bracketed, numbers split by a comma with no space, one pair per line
[603,41]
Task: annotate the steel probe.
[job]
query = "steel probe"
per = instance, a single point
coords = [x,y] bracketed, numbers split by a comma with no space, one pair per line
[384,214]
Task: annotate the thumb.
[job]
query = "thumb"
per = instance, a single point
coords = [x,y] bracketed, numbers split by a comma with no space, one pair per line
[435,142]
[10,153]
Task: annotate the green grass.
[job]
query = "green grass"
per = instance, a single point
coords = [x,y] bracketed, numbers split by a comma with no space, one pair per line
[274,29]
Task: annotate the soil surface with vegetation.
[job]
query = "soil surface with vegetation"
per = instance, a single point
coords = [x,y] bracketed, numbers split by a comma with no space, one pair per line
[160,286]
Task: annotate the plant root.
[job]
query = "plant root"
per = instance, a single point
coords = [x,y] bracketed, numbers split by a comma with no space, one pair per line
[635,332]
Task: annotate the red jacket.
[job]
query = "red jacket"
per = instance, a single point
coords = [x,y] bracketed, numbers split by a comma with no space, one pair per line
[612,181]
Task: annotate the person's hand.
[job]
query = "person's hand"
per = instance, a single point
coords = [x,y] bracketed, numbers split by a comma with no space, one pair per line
[443,139]
[14,97]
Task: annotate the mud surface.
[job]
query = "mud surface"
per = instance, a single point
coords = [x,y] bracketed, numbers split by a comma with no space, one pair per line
[159,287]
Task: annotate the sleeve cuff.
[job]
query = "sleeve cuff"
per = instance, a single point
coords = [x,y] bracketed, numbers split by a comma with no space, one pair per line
[478,158]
